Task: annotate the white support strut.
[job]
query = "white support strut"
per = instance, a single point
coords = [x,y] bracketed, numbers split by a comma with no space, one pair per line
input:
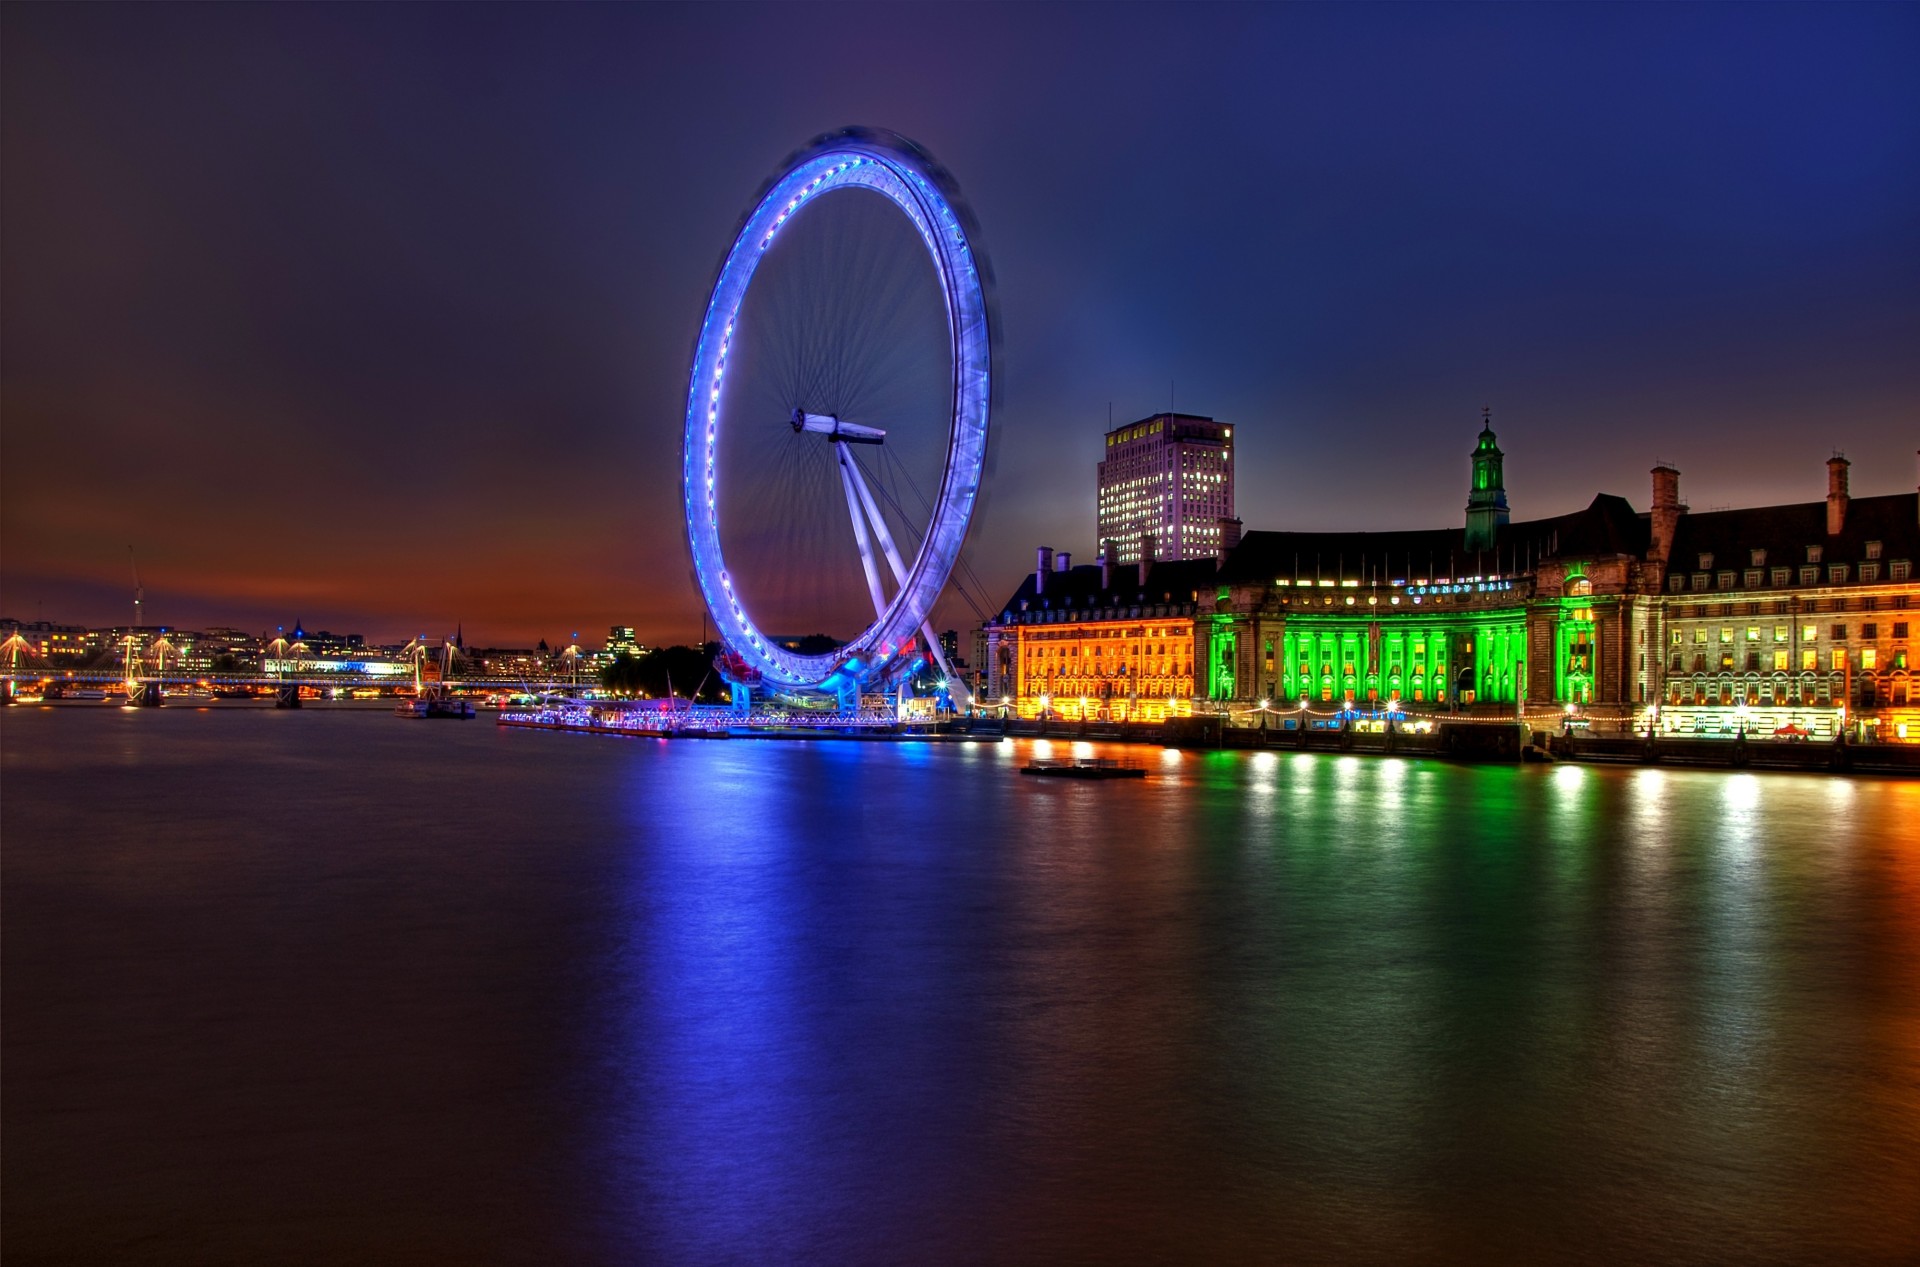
[849,471]
[849,480]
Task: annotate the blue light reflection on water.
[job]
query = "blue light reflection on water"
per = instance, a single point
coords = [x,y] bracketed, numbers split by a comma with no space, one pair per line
[618,1001]
[1294,998]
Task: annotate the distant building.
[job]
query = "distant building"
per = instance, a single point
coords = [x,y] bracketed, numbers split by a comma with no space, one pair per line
[1165,488]
[45,641]
[1793,619]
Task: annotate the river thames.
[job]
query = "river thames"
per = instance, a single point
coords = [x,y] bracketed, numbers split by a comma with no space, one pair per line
[332,987]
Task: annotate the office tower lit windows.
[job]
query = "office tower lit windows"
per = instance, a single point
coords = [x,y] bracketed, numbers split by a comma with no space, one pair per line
[1166,486]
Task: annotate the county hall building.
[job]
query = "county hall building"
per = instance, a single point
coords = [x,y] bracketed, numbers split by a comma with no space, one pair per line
[1779,619]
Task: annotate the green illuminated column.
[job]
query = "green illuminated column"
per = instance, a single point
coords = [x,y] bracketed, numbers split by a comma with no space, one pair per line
[1221,651]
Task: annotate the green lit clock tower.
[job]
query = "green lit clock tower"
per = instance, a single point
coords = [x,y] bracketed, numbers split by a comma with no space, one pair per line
[1487,502]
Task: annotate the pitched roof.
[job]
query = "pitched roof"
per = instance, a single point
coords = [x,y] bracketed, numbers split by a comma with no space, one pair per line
[1170,581]
[1607,526]
[1785,532]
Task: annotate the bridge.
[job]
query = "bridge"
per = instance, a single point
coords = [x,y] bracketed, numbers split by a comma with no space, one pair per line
[359,681]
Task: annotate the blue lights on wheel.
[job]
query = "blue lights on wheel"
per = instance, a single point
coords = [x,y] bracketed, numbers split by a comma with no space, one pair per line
[901,172]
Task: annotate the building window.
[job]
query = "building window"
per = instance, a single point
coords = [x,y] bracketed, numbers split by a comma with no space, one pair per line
[1873,549]
[1839,633]
[1676,583]
[1779,662]
[1899,628]
[1839,660]
[1813,554]
[1757,557]
[1699,581]
[1810,575]
[1867,658]
[1870,630]
[1781,633]
[1753,578]
[1706,562]
[1869,573]
[1809,659]
[1782,577]
[1898,570]
[1837,574]
[1726,580]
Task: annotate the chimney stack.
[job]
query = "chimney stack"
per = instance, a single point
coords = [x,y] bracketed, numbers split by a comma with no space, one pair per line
[1667,510]
[1062,561]
[1042,564]
[1146,557]
[1109,555]
[1836,493]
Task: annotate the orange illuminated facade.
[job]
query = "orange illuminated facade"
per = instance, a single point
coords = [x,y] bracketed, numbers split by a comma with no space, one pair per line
[1104,643]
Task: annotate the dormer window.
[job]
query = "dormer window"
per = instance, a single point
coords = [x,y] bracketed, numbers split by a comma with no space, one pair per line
[1757,558]
[1813,554]
[1706,562]
[1873,549]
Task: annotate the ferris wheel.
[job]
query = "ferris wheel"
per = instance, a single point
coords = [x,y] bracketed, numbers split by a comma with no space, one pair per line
[785,427]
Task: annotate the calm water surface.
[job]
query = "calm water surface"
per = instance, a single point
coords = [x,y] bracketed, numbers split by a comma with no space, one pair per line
[331,987]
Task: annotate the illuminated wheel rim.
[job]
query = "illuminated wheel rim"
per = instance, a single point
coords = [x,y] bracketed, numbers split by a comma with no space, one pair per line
[909,179]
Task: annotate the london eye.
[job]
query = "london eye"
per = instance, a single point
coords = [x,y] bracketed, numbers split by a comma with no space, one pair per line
[837,424]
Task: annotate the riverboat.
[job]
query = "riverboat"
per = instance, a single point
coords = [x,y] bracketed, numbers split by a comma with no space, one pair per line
[1084,768]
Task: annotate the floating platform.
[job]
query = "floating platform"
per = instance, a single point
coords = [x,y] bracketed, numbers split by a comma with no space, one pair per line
[1084,768]
[581,723]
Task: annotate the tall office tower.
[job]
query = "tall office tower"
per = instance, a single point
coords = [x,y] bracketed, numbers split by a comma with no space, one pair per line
[1166,485]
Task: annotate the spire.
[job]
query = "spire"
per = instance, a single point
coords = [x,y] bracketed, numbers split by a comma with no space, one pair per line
[1487,497]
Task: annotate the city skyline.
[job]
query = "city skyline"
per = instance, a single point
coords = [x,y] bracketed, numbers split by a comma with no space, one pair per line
[382,318]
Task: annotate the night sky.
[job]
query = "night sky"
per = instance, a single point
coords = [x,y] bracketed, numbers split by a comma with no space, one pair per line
[379,317]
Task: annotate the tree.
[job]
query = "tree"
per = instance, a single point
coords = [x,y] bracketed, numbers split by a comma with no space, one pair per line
[624,675]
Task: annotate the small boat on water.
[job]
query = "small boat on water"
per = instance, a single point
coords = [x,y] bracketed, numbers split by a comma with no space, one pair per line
[435,706]
[434,698]
[1084,768]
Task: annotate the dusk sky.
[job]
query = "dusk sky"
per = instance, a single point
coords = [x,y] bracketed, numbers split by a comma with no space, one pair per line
[380,317]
